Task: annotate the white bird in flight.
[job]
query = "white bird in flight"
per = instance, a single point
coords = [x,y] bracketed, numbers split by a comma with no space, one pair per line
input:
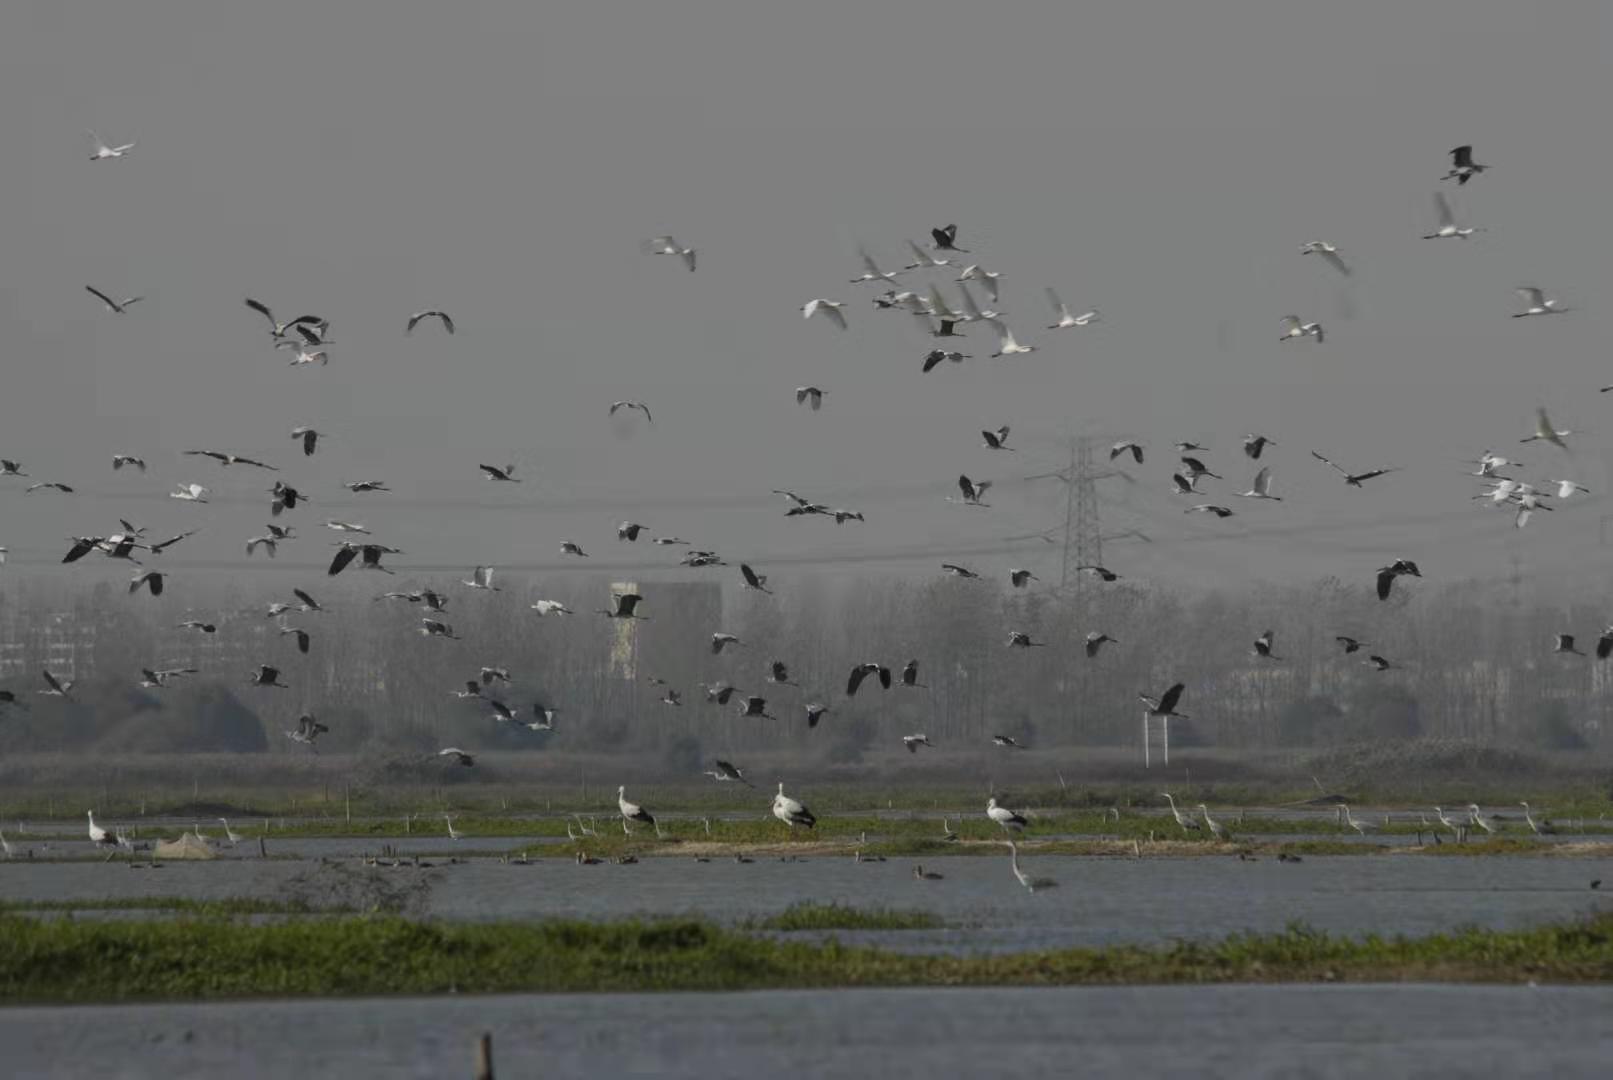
[1293,328]
[481,578]
[1261,488]
[666,245]
[1545,432]
[1447,220]
[101,150]
[1065,319]
[1537,303]
[1006,345]
[189,493]
[990,281]
[829,309]
[871,271]
[1329,254]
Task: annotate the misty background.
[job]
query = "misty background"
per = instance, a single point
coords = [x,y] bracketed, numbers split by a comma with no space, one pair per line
[1160,162]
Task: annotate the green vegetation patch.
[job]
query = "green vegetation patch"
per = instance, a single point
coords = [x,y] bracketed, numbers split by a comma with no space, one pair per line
[67,961]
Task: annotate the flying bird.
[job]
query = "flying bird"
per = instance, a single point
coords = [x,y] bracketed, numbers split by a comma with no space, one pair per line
[100,151]
[1018,578]
[1006,345]
[1128,447]
[1018,639]
[1261,487]
[1378,663]
[481,578]
[1164,705]
[972,491]
[266,675]
[862,671]
[1353,479]
[55,687]
[493,472]
[945,239]
[1546,433]
[997,440]
[910,676]
[279,329]
[936,356]
[809,393]
[728,771]
[1095,640]
[829,309]
[925,261]
[1102,573]
[1210,508]
[1196,468]
[1263,646]
[814,713]
[226,459]
[755,706]
[625,606]
[1537,303]
[568,547]
[871,271]
[1447,220]
[639,405]
[1294,328]
[1062,313]
[1350,644]
[753,580]
[151,579]
[1329,254]
[720,641]
[628,531]
[666,245]
[1254,444]
[913,742]
[1463,167]
[117,307]
[1398,568]
[959,571]
[460,757]
[120,460]
[440,316]
[48,485]
[304,640]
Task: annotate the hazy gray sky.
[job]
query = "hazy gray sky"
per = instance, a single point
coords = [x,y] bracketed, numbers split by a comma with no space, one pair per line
[1163,162]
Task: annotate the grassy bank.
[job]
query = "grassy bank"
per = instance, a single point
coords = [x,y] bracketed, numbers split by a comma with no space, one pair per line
[62,961]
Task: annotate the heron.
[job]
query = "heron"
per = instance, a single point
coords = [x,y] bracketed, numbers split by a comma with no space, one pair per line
[1030,883]
[230,834]
[1062,314]
[151,579]
[1006,344]
[1254,445]
[945,239]
[814,713]
[481,578]
[1544,827]
[1398,568]
[617,406]
[1564,643]
[506,475]
[1187,823]
[1463,167]
[812,394]
[1019,639]
[728,771]
[116,307]
[997,440]
[1217,830]
[871,271]
[1210,508]
[1537,303]
[433,313]
[1263,646]
[568,547]
[862,671]
[1018,578]
[1095,640]
[1354,479]
[1478,818]
[1545,432]
[1129,446]
[120,460]
[453,834]
[936,356]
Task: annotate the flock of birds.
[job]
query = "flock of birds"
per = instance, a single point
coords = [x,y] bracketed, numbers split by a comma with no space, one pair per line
[307,340]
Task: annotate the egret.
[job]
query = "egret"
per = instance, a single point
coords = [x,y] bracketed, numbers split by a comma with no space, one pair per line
[1006,345]
[1536,303]
[1329,254]
[989,280]
[1062,313]
[829,309]
[1261,487]
[230,834]
[453,834]
[1567,489]
[552,607]
[871,271]
[1294,328]
[666,245]
[925,261]
[100,151]
[1542,828]
[1545,432]
[1447,220]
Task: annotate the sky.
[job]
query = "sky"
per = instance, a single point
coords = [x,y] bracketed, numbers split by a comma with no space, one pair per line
[1162,162]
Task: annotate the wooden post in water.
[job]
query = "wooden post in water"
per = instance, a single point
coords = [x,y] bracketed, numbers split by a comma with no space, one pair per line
[484,1056]
[263,852]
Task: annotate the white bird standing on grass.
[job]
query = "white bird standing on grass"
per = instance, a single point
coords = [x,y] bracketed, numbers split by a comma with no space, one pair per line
[1009,820]
[791,812]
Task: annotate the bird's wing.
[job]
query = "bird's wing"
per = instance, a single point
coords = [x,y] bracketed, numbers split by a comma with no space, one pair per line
[836,316]
[1335,261]
[1462,156]
[1290,323]
[969,304]
[858,674]
[1172,696]
[749,575]
[1330,464]
[1442,207]
[1386,580]
[1058,305]
[1535,296]
[262,309]
[1005,338]
[1263,480]
[103,296]
[416,317]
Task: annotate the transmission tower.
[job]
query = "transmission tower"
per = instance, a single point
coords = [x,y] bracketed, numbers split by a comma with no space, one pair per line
[1083,531]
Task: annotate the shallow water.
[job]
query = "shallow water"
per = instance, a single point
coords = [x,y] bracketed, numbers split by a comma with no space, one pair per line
[1231,1031]
[1099,901]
